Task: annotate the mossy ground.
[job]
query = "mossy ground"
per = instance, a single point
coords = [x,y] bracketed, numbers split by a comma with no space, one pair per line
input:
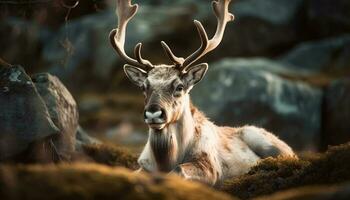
[108,178]
[272,175]
[92,181]
[111,155]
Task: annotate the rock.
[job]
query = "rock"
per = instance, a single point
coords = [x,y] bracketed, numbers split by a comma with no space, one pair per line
[282,11]
[62,109]
[265,64]
[238,95]
[336,113]
[83,45]
[51,14]
[328,55]
[261,28]
[24,117]
[327,18]
[83,138]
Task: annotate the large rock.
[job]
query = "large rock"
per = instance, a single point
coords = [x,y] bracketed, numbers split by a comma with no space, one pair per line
[62,109]
[83,138]
[261,28]
[24,118]
[336,113]
[328,55]
[238,95]
[82,48]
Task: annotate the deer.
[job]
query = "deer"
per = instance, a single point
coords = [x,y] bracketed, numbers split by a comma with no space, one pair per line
[181,139]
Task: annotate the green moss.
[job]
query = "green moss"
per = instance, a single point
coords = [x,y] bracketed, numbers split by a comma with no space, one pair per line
[272,175]
[111,155]
[91,181]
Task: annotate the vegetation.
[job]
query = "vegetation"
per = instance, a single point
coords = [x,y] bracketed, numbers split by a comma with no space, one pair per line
[341,192]
[273,175]
[91,181]
[111,155]
[300,178]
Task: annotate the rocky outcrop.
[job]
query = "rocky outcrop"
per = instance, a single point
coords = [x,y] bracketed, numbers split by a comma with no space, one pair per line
[329,55]
[264,28]
[84,44]
[24,117]
[83,138]
[336,113]
[63,111]
[233,93]
[38,119]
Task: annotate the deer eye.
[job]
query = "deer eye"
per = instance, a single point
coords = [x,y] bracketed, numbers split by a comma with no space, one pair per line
[179,88]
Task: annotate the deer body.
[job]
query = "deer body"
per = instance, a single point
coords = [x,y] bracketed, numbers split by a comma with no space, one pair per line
[181,139]
[197,149]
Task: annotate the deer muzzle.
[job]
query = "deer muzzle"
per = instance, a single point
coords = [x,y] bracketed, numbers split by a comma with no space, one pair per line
[155,116]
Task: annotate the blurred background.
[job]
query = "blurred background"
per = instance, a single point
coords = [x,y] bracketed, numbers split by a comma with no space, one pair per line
[283,65]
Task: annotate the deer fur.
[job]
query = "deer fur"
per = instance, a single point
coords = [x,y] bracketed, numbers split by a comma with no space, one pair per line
[197,149]
[181,139]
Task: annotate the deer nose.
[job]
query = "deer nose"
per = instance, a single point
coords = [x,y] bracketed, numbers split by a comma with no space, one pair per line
[154,114]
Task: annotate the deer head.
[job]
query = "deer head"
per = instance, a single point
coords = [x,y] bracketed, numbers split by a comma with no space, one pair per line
[166,87]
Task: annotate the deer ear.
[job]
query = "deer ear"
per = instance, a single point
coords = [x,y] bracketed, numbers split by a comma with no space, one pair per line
[195,74]
[135,75]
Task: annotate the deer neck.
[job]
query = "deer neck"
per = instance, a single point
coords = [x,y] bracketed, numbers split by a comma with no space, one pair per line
[170,144]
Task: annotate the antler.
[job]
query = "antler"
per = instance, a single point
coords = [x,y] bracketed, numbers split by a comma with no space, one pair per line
[178,61]
[125,12]
[223,16]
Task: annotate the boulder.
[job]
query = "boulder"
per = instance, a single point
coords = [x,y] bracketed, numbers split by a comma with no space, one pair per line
[51,13]
[82,48]
[238,95]
[261,28]
[62,109]
[336,113]
[24,117]
[328,55]
[83,138]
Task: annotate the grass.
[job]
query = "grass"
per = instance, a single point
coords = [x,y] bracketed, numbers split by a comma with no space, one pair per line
[272,175]
[314,176]
[339,192]
[111,155]
[91,181]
